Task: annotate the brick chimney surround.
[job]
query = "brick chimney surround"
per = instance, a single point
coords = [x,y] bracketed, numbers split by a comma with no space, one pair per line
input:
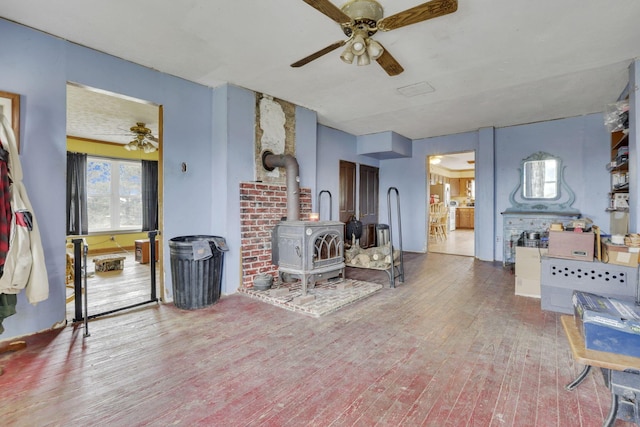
[262,206]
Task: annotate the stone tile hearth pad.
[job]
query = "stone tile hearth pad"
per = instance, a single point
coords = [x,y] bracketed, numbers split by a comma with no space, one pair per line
[329,296]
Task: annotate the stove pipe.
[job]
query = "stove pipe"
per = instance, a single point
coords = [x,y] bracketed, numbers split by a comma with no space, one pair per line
[271,161]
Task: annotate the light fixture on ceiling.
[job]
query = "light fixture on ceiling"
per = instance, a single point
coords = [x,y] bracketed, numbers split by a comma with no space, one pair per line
[143,140]
[374,49]
[358,46]
[347,56]
[362,49]
[363,59]
[434,160]
[365,18]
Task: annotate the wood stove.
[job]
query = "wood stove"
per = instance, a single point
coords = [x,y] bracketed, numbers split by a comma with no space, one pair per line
[308,250]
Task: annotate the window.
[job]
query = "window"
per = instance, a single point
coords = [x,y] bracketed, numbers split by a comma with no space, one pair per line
[114,194]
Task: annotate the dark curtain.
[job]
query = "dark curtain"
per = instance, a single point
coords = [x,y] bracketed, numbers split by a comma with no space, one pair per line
[149,195]
[77,217]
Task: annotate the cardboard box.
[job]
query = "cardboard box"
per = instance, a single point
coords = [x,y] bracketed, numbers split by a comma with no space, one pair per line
[619,254]
[571,245]
[608,324]
[528,266]
[527,287]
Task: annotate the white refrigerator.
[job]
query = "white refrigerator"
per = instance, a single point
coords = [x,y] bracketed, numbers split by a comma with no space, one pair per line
[443,191]
[447,194]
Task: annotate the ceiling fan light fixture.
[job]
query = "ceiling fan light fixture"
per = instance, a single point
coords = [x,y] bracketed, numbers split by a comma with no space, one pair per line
[132,146]
[148,148]
[143,139]
[374,49]
[347,56]
[363,9]
[363,59]
[358,46]
[361,19]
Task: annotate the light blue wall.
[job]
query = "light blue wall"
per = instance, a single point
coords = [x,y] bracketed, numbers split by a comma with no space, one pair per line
[187,136]
[33,65]
[306,148]
[213,131]
[234,145]
[409,176]
[583,145]
[38,66]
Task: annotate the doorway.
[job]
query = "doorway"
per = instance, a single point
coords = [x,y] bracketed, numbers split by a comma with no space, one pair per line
[451,190]
[368,204]
[366,185]
[113,198]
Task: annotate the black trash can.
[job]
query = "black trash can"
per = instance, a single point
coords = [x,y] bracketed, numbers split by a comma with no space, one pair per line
[196,270]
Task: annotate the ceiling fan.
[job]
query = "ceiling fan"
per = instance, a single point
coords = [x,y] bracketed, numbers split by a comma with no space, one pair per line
[361,19]
[143,139]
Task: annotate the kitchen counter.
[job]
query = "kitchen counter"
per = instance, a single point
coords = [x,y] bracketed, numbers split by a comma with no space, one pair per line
[465,217]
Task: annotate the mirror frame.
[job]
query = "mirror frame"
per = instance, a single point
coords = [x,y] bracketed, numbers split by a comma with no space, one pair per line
[560,204]
[541,157]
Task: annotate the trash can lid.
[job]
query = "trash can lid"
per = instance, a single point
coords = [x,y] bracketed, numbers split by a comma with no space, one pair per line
[218,241]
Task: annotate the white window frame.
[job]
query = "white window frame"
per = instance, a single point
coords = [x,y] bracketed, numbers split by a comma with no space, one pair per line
[114,202]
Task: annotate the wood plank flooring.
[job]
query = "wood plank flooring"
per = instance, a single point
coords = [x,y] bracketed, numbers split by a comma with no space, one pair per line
[452,346]
[112,290]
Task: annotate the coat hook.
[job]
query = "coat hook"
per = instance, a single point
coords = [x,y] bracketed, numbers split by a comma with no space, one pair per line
[183,167]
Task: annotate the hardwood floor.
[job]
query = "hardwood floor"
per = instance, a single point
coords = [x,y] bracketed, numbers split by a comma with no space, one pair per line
[452,346]
[112,290]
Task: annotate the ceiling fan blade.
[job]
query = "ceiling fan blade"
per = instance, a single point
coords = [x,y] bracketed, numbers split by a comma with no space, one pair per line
[389,63]
[318,54]
[330,10]
[419,13]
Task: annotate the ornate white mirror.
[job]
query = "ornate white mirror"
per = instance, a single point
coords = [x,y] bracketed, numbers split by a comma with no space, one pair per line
[540,178]
[541,187]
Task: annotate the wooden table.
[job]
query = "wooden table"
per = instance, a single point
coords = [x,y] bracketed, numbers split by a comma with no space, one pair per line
[621,374]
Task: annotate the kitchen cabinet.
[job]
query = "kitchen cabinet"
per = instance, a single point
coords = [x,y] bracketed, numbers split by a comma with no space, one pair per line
[465,217]
[462,187]
[454,186]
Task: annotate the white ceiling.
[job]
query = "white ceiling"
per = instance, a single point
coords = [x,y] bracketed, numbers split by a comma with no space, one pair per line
[107,117]
[457,161]
[491,63]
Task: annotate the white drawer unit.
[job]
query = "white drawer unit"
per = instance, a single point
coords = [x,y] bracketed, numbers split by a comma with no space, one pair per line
[560,277]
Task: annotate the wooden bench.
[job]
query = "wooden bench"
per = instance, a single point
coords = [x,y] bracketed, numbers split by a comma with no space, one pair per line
[108,263]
